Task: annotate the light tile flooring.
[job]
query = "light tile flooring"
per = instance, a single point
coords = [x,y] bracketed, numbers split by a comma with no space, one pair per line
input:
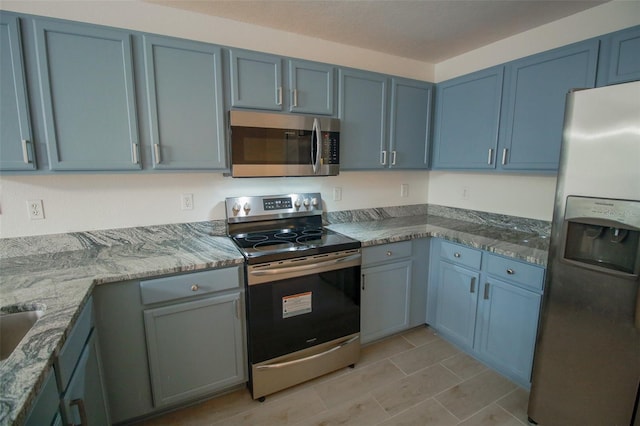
[414,378]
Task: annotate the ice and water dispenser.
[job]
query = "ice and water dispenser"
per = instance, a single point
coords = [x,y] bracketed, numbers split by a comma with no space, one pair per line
[603,234]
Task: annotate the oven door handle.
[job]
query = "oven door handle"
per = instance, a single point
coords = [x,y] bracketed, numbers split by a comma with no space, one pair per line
[297,268]
[308,358]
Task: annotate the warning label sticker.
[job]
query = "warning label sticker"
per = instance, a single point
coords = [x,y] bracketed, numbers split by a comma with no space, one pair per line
[296,304]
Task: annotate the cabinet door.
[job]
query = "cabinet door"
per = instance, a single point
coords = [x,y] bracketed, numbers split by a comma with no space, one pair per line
[533,110]
[409,124]
[195,348]
[256,80]
[457,303]
[84,402]
[619,59]
[86,80]
[16,143]
[507,328]
[384,300]
[467,120]
[46,408]
[184,93]
[311,87]
[363,126]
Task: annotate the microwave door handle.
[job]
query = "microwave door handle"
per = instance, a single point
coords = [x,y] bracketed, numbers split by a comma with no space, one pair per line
[315,153]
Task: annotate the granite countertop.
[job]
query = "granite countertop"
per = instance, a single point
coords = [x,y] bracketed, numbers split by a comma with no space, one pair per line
[32,271]
[520,244]
[60,271]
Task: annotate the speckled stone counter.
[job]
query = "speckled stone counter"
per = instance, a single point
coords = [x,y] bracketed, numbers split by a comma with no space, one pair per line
[60,271]
[520,238]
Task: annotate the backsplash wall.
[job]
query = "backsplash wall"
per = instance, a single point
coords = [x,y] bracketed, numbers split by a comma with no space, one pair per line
[84,202]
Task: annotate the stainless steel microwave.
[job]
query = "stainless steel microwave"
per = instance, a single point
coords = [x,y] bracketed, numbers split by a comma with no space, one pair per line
[273,145]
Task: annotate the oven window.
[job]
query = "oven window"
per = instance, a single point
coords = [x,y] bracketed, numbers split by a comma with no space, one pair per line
[321,307]
[251,145]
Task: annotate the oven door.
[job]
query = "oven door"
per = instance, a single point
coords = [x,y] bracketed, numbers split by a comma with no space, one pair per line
[300,303]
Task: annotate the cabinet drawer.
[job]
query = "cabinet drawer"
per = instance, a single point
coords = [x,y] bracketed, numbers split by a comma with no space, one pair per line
[461,255]
[66,360]
[522,273]
[189,285]
[385,252]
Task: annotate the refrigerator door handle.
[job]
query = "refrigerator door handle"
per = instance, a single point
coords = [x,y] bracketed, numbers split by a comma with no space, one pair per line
[637,315]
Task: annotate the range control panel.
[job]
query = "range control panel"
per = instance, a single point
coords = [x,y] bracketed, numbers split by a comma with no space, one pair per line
[264,207]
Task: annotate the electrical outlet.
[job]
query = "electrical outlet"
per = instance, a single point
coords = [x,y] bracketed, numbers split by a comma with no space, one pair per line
[404,190]
[187,201]
[337,193]
[465,193]
[35,209]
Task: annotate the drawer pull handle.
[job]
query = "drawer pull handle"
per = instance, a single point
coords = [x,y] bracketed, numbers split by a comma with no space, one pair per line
[456,254]
[510,271]
[363,281]
[195,287]
[472,287]
[389,253]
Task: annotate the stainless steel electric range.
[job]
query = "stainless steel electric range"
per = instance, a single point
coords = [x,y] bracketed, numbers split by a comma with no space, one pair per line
[302,290]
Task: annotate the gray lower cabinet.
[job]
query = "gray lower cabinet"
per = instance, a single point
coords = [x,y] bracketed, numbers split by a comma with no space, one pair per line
[46,408]
[88,100]
[188,355]
[486,304]
[79,374]
[185,99]
[171,340]
[385,290]
[16,142]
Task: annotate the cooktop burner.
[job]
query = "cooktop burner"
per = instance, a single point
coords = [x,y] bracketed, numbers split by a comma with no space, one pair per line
[280,227]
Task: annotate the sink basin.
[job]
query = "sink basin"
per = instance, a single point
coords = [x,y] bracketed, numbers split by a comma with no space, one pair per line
[13,327]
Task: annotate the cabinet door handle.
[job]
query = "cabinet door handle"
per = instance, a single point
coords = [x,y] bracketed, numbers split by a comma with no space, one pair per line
[393,158]
[384,158]
[472,287]
[25,151]
[362,281]
[295,97]
[456,254]
[83,412]
[279,96]
[238,313]
[490,157]
[195,287]
[134,153]
[504,156]
[389,253]
[486,291]
[156,151]
[510,271]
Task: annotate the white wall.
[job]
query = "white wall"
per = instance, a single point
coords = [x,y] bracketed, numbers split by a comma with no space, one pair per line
[87,202]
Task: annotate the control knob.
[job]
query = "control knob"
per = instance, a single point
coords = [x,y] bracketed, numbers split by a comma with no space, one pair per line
[246,208]
[297,204]
[306,203]
[236,209]
[314,202]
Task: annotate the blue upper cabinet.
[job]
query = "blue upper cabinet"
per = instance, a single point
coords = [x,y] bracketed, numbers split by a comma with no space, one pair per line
[362,111]
[16,143]
[620,57]
[256,80]
[410,122]
[467,119]
[86,78]
[534,101]
[311,87]
[184,95]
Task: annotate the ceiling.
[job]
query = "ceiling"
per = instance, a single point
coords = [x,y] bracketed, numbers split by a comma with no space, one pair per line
[424,30]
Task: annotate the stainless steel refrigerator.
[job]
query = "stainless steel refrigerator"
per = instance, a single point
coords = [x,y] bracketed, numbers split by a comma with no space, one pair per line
[587,361]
